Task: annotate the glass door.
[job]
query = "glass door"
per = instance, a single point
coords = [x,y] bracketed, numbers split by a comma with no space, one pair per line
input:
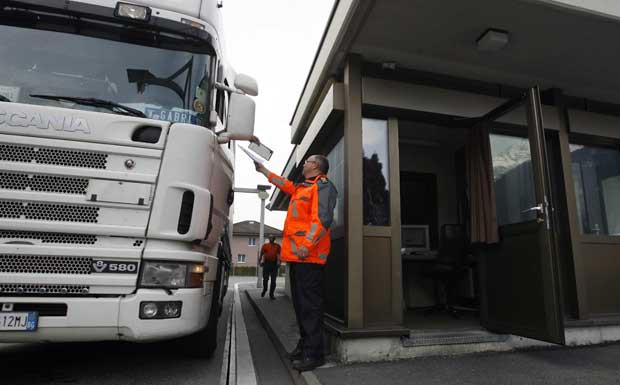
[519,273]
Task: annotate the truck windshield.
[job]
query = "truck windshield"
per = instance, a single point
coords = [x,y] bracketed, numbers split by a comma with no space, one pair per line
[164,84]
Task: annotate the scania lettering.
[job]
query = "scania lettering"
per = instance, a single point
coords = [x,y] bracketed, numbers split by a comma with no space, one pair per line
[117,128]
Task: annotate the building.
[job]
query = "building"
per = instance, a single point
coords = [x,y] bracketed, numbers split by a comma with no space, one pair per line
[246,242]
[485,133]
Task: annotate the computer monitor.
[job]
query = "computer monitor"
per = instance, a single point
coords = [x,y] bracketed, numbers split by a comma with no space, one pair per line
[415,238]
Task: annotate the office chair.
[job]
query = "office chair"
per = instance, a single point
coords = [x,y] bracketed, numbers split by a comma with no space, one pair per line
[449,267]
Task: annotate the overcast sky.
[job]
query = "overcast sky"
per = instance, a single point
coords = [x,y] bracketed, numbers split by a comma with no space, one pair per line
[273,41]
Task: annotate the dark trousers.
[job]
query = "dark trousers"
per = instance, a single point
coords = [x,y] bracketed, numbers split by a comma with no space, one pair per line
[270,269]
[307,291]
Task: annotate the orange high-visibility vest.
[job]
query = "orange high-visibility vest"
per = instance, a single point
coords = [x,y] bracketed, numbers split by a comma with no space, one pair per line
[310,214]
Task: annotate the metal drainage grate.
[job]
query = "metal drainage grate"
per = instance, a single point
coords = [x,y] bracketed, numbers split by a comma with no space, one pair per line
[466,337]
[16,288]
[45,264]
[77,239]
[49,212]
[52,156]
[43,183]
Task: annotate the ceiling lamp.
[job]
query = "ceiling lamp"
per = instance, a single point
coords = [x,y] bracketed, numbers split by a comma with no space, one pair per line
[492,40]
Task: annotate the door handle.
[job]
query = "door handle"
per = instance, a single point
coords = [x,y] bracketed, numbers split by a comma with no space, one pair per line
[541,213]
[538,208]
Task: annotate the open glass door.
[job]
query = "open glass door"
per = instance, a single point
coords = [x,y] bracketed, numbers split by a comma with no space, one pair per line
[519,274]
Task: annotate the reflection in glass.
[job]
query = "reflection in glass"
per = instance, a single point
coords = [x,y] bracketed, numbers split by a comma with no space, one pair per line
[336,176]
[514,180]
[376,172]
[596,174]
[162,82]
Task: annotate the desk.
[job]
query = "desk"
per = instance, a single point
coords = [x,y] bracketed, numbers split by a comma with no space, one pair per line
[417,291]
[420,256]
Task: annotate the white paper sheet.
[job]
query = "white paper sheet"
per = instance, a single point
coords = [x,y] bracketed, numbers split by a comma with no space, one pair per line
[249,153]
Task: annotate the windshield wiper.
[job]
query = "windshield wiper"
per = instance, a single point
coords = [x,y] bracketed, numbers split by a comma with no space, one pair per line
[4,99]
[101,103]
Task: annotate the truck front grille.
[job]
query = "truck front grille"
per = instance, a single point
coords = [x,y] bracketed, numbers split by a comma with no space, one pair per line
[45,264]
[30,289]
[52,156]
[43,237]
[43,183]
[49,212]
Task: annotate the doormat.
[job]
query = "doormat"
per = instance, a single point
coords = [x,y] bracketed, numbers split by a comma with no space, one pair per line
[451,338]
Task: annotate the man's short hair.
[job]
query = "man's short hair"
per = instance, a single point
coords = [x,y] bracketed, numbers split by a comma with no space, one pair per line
[322,163]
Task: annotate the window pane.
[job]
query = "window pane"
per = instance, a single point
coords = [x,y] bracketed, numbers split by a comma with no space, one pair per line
[336,176]
[596,171]
[514,179]
[376,172]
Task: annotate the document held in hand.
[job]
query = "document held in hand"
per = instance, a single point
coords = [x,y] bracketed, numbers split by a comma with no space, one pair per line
[251,155]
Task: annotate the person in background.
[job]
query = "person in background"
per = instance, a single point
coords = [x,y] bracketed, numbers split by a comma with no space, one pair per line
[305,247]
[269,259]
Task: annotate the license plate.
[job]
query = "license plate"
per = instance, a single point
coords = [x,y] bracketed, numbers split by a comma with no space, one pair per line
[18,321]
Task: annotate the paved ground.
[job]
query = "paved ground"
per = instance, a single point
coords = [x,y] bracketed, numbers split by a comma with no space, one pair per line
[598,365]
[594,365]
[269,367]
[128,364]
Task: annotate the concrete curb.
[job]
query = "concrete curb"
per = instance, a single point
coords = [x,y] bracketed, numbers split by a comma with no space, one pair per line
[305,378]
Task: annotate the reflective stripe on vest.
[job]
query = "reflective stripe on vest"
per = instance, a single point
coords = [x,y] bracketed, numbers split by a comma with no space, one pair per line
[321,234]
[293,245]
[294,210]
[313,230]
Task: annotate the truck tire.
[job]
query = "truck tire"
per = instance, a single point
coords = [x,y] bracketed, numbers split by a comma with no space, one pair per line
[203,343]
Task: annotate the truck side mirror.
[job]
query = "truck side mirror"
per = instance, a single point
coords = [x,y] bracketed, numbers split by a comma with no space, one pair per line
[241,113]
[247,84]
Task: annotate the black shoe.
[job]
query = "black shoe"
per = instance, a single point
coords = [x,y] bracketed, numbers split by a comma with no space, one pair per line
[271,296]
[308,364]
[296,354]
[263,293]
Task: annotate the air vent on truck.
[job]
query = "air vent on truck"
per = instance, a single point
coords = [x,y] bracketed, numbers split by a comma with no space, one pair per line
[185,216]
[52,156]
[48,212]
[43,183]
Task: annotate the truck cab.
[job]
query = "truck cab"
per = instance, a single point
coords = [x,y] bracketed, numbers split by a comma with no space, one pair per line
[117,130]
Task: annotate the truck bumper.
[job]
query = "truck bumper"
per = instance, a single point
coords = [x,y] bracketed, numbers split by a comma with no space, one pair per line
[104,319]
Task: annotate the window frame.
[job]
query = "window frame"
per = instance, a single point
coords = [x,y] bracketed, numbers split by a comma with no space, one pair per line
[581,139]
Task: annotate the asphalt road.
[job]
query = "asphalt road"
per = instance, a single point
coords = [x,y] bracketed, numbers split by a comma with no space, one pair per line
[111,363]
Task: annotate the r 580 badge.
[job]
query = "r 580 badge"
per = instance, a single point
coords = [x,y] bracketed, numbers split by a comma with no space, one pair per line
[115,267]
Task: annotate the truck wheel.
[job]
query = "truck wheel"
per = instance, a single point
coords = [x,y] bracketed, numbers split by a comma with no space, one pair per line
[203,343]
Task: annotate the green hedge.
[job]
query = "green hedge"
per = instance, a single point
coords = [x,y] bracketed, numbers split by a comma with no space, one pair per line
[250,271]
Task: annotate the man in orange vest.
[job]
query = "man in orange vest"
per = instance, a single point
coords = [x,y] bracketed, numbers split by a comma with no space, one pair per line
[270,261]
[305,247]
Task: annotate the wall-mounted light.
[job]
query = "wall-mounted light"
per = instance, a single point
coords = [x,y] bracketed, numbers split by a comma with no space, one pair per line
[493,40]
[220,3]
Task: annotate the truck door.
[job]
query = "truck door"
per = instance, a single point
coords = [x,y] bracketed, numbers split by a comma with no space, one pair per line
[520,278]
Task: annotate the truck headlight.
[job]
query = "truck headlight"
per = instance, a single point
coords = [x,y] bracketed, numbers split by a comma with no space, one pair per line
[172,274]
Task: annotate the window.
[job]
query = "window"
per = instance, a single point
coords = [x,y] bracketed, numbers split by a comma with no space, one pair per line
[376,172]
[596,173]
[252,241]
[513,177]
[240,258]
[336,176]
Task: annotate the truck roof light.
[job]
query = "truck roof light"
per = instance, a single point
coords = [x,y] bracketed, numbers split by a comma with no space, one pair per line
[133,12]
[194,24]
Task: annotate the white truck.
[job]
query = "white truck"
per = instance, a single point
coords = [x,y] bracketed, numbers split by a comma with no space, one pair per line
[117,129]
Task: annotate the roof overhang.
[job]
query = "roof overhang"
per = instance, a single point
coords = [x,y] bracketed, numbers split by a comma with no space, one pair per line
[552,43]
